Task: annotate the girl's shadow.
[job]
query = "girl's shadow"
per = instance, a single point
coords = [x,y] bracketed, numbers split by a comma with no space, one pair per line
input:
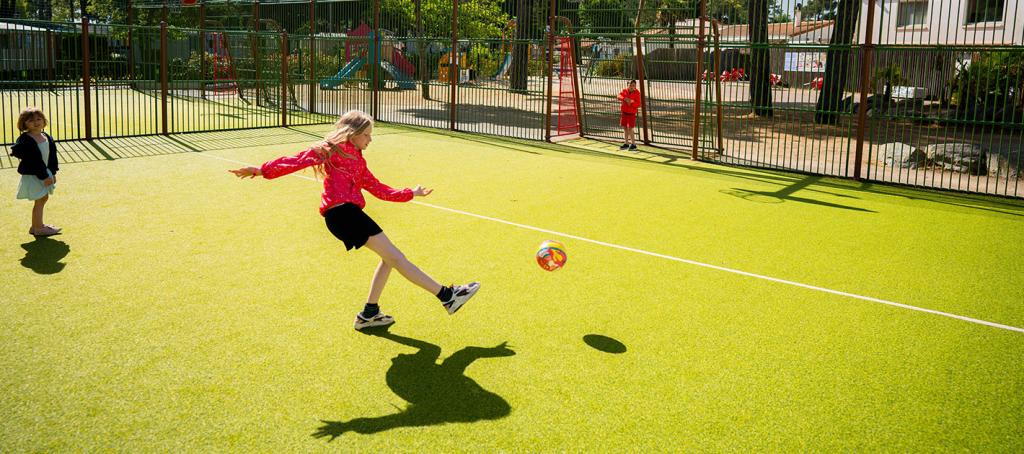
[44,255]
[437,393]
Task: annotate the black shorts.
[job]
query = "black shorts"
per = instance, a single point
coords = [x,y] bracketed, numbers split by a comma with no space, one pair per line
[351,225]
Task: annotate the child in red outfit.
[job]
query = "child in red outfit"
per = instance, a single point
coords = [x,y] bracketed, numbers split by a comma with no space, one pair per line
[630,99]
[339,159]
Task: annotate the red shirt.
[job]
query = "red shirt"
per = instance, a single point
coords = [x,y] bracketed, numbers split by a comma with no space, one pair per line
[635,96]
[345,179]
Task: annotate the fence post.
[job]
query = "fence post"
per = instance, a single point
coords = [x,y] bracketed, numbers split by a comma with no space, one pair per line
[256,55]
[131,48]
[718,84]
[640,74]
[453,66]
[374,52]
[163,77]
[86,76]
[312,56]
[867,54]
[577,87]
[550,95]
[697,84]
[49,59]
[284,78]
[202,51]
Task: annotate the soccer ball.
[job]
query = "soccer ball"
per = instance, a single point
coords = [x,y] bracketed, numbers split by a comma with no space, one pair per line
[551,255]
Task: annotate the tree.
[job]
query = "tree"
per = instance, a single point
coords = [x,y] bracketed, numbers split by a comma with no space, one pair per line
[837,63]
[7,9]
[776,14]
[821,9]
[421,52]
[760,68]
[729,11]
[41,9]
[668,12]
[478,19]
[521,49]
[607,16]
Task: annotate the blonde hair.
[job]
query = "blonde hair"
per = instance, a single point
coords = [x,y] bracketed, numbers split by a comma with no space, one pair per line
[353,122]
[30,113]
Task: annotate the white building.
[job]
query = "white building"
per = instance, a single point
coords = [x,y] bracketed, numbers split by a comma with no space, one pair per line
[946,22]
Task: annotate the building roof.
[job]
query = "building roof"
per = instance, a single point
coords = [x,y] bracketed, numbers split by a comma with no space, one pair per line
[778,31]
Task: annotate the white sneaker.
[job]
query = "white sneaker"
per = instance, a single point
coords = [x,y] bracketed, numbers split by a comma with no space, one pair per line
[461,294]
[380,319]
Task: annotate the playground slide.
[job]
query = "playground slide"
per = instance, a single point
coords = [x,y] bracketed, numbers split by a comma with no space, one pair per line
[346,72]
[404,81]
[403,64]
[505,64]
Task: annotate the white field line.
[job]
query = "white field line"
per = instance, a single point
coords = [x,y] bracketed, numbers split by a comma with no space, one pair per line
[690,262]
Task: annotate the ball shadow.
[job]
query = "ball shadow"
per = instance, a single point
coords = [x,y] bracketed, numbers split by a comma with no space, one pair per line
[604,343]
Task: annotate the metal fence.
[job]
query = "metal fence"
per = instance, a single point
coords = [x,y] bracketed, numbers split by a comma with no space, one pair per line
[918,93]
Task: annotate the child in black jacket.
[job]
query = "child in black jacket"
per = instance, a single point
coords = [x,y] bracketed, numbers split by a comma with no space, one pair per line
[38,166]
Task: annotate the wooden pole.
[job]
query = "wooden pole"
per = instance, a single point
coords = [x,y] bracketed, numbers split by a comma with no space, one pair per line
[373,50]
[550,97]
[284,78]
[163,77]
[312,56]
[86,78]
[453,66]
[640,75]
[867,55]
[697,85]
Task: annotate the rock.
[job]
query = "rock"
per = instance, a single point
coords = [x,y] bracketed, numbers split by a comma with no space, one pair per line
[999,166]
[901,155]
[959,157]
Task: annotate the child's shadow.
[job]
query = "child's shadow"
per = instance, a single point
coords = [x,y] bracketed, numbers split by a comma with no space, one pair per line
[437,393]
[44,255]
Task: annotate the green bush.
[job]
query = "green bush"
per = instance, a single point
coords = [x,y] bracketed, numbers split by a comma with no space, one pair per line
[991,88]
[611,68]
[484,60]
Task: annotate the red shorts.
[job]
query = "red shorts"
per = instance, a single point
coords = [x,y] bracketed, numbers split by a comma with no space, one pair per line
[627,120]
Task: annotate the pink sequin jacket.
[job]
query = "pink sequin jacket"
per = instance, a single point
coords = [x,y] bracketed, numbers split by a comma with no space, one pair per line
[346,177]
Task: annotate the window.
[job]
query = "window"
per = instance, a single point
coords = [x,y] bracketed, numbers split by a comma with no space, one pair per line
[912,14]
[984,11]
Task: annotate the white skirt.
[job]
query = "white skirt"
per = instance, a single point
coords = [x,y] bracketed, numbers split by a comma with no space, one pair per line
[31,187]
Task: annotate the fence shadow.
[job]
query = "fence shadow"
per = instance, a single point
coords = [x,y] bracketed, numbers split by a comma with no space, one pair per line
[145,146]
[436,393]
[789,181]
[499,116]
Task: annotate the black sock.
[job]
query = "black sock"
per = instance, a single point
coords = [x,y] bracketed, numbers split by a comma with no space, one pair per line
[445,294]
[370,310]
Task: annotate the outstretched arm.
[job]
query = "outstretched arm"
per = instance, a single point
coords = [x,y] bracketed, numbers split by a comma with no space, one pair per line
[247,172]
[282,166]
[384,192]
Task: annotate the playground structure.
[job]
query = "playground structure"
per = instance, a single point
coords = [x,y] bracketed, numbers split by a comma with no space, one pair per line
[507,34]
[225,78]
[363,46]
[568,110]
[444,67]
[296,67]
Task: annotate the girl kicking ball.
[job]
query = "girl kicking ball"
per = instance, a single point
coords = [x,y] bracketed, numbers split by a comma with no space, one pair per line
[339,160]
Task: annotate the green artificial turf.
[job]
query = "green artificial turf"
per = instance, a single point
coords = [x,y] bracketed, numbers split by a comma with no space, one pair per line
[184,309]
